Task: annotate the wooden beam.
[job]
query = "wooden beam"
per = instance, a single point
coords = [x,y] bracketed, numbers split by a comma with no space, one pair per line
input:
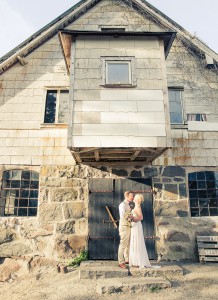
[85,150]
[22,60]
[77,157]
[66,41]
[135,154]
[97,156]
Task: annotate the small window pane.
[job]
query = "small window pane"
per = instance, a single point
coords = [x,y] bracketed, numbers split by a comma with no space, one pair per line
[201,185]
[25,184]
[118,73]
[25,175]
[50,107]
[34,194]
[24,193]
[15,183]
[33,203]
[201,176]
[195,212]
[63,107]
[32,212]
[23,203]
[192,176]
[6,175]
[192,185]
[34,176]
[34,184]
[194,202]
[22,212]
[16,175]
[214,211]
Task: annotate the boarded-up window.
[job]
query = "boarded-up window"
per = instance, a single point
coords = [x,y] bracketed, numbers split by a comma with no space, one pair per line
[56,106]
[175,104]
[19,195]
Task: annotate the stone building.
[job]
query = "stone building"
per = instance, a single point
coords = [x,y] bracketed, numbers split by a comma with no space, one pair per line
[111,96]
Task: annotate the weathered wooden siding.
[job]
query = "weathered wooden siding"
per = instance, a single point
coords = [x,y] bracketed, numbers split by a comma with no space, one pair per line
[119,117]
[24,139]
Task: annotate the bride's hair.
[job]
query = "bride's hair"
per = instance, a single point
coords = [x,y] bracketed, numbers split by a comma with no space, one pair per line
[140,197]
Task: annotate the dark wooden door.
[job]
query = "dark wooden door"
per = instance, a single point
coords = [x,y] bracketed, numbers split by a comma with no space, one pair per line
[103,236]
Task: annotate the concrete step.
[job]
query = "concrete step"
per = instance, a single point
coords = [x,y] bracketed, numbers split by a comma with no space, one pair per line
[101,270]
[110,269]
[131,285]
[166,270]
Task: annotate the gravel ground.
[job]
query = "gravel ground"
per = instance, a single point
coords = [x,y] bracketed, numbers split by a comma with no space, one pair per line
[198,282]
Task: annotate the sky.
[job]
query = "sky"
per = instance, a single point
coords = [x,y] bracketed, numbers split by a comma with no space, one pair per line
[21,18]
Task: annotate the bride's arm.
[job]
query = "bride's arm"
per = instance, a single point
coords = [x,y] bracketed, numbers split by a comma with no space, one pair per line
[139,217]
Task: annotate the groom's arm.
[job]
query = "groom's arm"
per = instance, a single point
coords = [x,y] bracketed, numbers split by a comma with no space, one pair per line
[122,210]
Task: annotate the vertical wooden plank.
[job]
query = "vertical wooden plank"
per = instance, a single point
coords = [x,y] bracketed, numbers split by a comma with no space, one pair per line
[101,233]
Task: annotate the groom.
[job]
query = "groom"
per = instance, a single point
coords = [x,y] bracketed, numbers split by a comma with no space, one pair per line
[124,230]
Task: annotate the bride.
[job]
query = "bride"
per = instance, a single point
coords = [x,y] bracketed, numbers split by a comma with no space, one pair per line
[138,256]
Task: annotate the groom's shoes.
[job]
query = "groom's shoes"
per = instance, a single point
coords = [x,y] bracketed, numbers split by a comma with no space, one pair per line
[123,266]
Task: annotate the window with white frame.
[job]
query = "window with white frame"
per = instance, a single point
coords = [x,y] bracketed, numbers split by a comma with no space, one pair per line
[118,71]
[56,106]
[175,106]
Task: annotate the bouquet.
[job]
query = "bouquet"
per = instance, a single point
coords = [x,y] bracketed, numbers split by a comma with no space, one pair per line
[128,217]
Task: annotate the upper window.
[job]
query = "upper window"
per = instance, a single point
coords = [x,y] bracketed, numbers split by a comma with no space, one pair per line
[118,71]
[19,195]
[203,193]
[175,106]
[56,106]
[197,117]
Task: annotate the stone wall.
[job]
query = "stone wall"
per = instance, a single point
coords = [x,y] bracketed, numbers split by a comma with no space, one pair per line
[60,231]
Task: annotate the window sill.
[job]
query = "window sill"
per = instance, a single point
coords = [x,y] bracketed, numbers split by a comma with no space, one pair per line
[118,85]
[54,125]
[179,126]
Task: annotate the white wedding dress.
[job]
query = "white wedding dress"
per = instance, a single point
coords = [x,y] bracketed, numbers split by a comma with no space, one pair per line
[138,255]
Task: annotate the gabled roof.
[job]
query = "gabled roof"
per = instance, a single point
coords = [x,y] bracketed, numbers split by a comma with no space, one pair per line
[81,8]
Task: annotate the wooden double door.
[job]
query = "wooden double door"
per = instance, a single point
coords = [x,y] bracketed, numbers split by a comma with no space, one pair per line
[105,195]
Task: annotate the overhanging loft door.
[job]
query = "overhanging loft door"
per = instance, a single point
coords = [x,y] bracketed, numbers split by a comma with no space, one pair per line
[103,234]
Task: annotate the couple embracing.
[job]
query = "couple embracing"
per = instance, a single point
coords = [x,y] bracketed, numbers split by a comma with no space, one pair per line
[132,249]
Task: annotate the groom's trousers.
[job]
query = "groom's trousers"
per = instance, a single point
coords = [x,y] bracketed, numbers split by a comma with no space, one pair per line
[123,251]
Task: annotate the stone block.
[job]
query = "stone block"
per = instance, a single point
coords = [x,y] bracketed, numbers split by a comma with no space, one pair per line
[14,249]
[120,172]
[170,192]
[182,191]
[74,210]
[171,209]
[64,194]
[135,173]
[150,172]
[172,171]
[6,235]
[66,227]
[69,246]
[7,269]
[49,213]
[177,236]
[81,226]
